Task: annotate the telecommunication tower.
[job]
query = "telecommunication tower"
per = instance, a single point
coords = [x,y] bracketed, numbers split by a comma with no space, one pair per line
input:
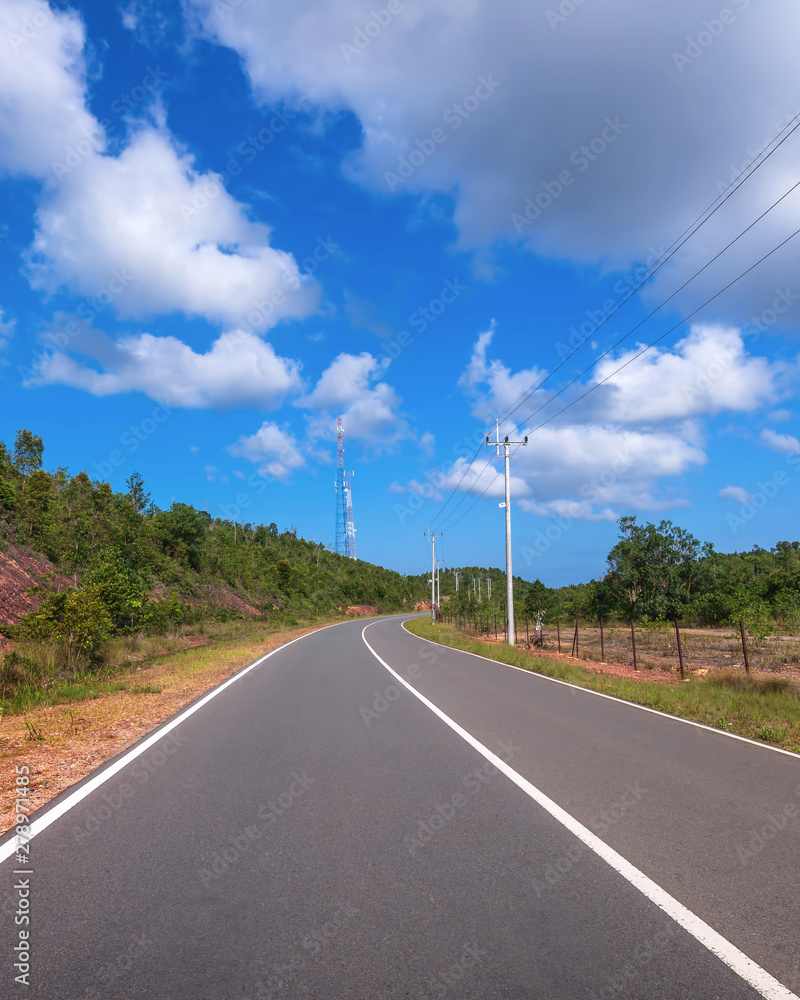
[350,528]
[341,494]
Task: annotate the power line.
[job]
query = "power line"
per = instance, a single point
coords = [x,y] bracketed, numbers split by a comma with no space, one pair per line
[687,234]
[631,360]
[654,268]
[651,314]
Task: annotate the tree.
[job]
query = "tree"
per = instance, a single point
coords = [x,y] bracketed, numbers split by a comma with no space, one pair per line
[656,570]
[28,451]
[136,491]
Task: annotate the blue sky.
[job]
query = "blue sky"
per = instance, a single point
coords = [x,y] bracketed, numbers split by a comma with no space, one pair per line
[224,224]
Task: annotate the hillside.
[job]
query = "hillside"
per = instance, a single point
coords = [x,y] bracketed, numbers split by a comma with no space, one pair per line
[80,563]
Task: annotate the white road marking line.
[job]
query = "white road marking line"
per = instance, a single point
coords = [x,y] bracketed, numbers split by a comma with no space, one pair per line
[611,697]
[745,967]
[58,810]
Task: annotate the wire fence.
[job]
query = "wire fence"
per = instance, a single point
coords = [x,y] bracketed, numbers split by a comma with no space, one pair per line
[662,645]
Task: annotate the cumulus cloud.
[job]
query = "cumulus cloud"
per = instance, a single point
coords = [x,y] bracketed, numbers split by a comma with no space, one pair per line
[370,410]
[783,443]
[177,238]
[273,449]
[575,122]
[705,373]
[625,445]
[238,370]
[181,242]
[735,493]
[42,82]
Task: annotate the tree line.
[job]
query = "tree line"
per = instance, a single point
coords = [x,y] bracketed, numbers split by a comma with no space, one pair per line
[659,573]
[127,566]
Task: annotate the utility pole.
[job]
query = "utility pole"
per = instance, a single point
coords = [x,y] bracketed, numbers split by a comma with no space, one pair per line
[438,592]
[433,574]
[505,444]
[456,581]
[489,587]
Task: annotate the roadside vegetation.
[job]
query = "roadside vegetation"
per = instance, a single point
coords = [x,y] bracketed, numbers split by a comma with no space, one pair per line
[762,707]
[122,574]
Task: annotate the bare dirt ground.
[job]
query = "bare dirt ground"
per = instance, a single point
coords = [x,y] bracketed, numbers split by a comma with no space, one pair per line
[79,736]
[24,581]
[657,651]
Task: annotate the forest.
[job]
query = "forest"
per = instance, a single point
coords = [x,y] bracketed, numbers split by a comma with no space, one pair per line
[121,566]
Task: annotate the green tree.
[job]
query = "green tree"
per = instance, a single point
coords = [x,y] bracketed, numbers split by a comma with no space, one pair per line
[656,570]
[28,451]
[136,491]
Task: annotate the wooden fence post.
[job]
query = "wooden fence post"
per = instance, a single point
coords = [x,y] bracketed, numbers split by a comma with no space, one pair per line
[633,644]
[558,632]
[744,648]
[602,643]
[680,650]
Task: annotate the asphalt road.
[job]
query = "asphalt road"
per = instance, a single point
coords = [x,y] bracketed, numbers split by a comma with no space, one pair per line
[316,830]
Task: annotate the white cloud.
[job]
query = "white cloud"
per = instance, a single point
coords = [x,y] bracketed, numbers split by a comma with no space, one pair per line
[705,373]
[143,228]
[42,83]
[736,493]
[158,237]
[370,410]
[554,89]
[783,443]
[238,370]
[275,451]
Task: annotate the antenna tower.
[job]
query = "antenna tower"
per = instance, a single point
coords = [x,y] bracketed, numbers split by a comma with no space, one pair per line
[341,494]
[350,529]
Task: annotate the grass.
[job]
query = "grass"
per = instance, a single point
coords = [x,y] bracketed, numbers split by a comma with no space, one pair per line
[34,681]
[761,708]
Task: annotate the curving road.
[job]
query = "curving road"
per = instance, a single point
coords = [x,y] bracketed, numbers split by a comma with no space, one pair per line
[315,829]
